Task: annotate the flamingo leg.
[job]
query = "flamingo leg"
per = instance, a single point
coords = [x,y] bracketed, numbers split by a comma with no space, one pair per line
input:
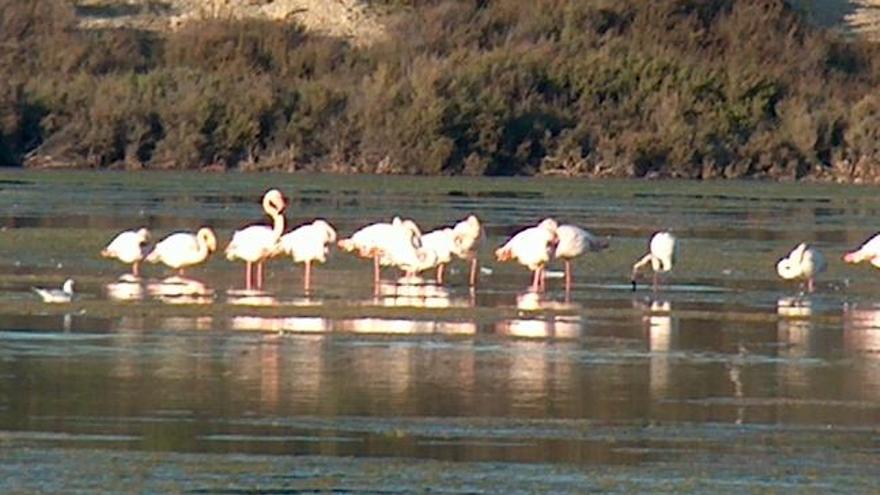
[308,278]
[440,269]
[248,276]
[535,281]
[810,285]
[260,275]
[567,276]
[474,269]
[180,272]
[376,270]
[135,269]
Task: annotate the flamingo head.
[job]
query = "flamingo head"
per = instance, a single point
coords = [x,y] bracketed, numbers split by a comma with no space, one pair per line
[143,235]
[207,237]
[503,254]
[273,201]
[854,257]
[329,231]
[792,266]
[549,225]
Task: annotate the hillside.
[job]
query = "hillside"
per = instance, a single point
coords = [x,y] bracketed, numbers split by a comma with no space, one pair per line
[666,88]
[349,19]
[353,19]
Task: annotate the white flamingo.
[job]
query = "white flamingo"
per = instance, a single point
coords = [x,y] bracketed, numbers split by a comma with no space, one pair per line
[63,295]
[573,242]
[306,244]
[181,250]
[468,234]
[388,244]
[661,257]
[869,251]
[442,243]
[532,248]
[255,243]
[804,262]
[129,247]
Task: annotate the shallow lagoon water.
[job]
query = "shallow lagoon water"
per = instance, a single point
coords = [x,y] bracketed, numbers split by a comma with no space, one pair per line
[726,380]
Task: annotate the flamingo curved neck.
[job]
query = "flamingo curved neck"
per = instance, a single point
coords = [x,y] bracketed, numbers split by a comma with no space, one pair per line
[277,223]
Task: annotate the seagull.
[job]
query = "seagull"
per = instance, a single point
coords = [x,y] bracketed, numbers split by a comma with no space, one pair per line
[62,295]
[661,256]
[804,262]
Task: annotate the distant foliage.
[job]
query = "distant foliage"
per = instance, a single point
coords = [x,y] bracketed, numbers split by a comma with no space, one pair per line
[624,88]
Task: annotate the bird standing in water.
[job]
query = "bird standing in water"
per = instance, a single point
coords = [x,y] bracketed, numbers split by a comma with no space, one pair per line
[660,256]
[804,262]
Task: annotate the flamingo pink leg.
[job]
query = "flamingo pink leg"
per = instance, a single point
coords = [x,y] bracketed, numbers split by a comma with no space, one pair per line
[376,270]
[259,275]
[135,269]
[536,280]
[473,278]
[307,283]
[440,268]
[567,276]
[248,275]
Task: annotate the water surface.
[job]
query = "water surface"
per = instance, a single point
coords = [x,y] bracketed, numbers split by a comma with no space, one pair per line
[725,380]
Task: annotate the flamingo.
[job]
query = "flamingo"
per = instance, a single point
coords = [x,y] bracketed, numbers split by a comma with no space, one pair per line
[181,250]
[869,251]
[661,256]
[129,247]
[387,244]
[306,244]
[442,243]
[255,243]
[804,262]
[573,242]
[468,234]
[63,295]
[532,247]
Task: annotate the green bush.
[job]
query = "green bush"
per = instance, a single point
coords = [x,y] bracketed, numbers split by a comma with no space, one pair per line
[668,88]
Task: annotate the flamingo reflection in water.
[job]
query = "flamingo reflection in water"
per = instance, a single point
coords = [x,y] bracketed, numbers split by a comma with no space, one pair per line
[181,290]
[125,289]
[542,322]
[660,332]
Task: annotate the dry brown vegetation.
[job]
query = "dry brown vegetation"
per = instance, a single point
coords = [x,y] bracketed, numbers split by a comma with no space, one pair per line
[667,88]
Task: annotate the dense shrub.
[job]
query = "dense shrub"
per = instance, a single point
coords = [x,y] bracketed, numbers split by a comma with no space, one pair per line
[667,88]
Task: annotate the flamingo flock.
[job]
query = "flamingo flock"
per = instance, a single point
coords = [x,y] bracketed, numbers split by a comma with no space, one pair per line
[400,243]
